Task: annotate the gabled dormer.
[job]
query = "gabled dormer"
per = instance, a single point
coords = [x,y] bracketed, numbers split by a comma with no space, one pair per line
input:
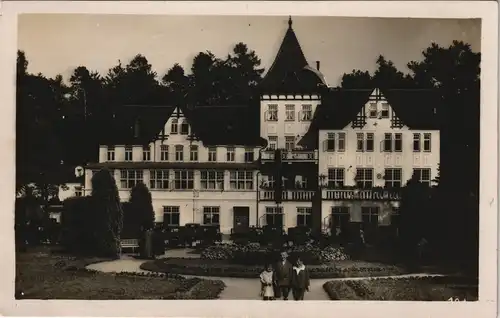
[377,113]
[176,126]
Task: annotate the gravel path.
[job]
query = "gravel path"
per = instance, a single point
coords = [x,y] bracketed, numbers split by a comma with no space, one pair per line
[236,288]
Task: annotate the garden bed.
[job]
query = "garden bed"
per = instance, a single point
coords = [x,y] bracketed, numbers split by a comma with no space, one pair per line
[222,268]
[43,275]
[408,289]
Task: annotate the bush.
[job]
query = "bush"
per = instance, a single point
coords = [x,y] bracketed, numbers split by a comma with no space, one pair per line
[78,225]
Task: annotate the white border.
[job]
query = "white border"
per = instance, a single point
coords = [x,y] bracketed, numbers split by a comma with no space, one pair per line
[486,307]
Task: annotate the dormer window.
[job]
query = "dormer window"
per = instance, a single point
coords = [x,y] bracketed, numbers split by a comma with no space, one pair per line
[184,128]
[372,110]
[128,153]
[385,111]
[174,129]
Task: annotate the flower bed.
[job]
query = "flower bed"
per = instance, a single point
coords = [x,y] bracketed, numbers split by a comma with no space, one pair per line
[418,288]
[221,268]
[254,254]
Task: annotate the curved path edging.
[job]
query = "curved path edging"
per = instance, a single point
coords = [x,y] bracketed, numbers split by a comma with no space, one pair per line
[238,288]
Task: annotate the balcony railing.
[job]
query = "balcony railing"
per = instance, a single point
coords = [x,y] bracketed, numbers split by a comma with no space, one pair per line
[288,195]
[290,156]
[361,194]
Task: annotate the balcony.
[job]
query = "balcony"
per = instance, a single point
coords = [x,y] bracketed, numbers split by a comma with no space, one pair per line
[288,195]
[290,156]
[361,194]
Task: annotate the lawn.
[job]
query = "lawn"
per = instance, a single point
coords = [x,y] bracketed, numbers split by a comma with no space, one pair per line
[420,289]
[41,274]
[224,268]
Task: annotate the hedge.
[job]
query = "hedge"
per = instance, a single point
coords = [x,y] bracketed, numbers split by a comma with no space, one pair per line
[198,267]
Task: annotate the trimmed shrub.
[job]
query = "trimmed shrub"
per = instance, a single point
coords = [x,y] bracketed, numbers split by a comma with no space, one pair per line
[78,225]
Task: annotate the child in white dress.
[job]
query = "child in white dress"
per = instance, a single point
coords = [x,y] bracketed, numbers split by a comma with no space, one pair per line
[267,281]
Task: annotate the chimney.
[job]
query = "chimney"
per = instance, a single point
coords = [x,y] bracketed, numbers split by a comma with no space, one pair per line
[136,129]
[317,65]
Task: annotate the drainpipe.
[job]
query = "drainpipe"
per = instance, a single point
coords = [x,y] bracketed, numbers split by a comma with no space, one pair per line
[257,186]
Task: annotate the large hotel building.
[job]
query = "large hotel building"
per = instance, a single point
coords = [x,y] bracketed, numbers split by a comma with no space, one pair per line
[307,155]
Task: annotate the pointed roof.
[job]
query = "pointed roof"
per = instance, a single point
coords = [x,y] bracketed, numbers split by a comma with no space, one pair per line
[290,71]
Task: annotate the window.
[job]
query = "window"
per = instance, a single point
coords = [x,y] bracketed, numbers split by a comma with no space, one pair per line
[372,110]
[171,215]
[427,142]
[230,154]
[111,153]
[274,216]
[289,143]
[212,154]
[336,177]
[304,216]
[78,191]
[272,112]
[341,140]
[340,217]
[306,112]
[249,155]
[184,127]
[385,111]
[416,143]
[211,215]
[174,127]
[369,142]
[364,177]
[179,153]
[146,153]
[387,143]
[369,214]
[183,180]
[129,178]
[423,175]
[290,112]
[330,141]
[273,143]
[241,180]
[212,180]
[193,153]
[270,182]
[159,179]
[128,153]
[360,144]
[398,142]
[393,178]
[301,182]
[164,152]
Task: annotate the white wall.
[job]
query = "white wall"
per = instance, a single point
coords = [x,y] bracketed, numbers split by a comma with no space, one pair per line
[282,128]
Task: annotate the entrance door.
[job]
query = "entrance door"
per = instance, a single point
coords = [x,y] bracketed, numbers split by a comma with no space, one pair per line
[370,223]
[241,219]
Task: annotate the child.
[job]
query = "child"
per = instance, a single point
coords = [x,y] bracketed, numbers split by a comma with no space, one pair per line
[266,280]
[300,280]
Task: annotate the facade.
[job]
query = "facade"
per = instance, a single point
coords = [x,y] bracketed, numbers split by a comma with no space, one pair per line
[306,155]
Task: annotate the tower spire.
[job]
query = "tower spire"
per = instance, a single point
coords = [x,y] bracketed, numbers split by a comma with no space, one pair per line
[290,21]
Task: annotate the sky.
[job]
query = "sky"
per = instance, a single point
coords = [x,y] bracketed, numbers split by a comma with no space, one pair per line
[58,43]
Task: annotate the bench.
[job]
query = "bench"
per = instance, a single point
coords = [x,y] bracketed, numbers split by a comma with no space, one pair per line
[129,243]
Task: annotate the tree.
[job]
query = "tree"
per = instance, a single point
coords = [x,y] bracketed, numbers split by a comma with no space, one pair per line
[177,84]
[106,203]
[141,206]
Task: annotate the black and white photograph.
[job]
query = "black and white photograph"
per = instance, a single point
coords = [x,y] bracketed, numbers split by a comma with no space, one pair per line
[265,157]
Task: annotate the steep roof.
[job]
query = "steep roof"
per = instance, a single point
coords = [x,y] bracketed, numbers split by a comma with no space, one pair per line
[213,125]
[290,72]
[339,107]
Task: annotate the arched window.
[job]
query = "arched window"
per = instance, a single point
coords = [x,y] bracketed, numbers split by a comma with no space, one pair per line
[174,129]
[184,128]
